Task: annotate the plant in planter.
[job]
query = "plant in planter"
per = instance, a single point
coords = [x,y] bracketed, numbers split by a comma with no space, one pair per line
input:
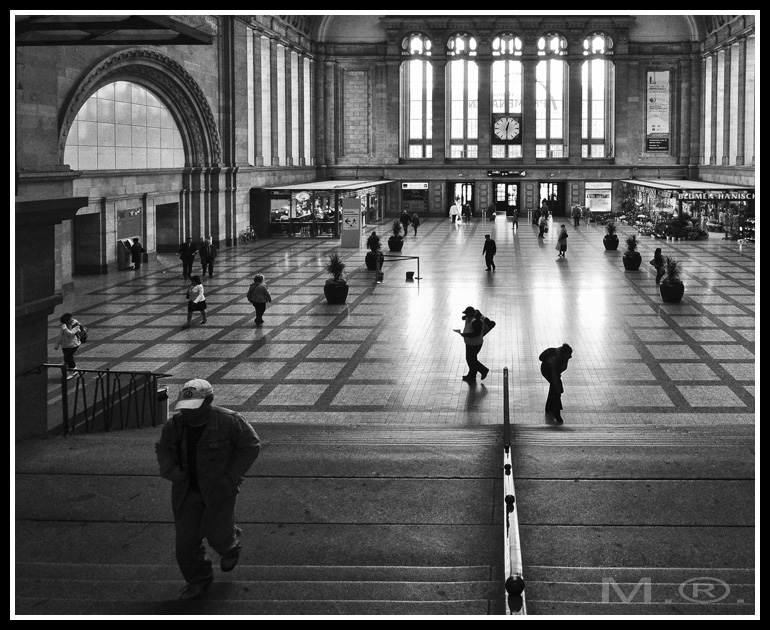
[611,240]
[374,257]
[336,287]
[396,240]
[671,286]
[632,259]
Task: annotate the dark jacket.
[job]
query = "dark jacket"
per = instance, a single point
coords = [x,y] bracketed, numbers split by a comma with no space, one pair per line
[490,247]
[136,252]
[226,450]
[187,250]
[211,254]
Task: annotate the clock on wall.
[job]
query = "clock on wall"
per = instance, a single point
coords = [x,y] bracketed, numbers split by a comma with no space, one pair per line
[506,128]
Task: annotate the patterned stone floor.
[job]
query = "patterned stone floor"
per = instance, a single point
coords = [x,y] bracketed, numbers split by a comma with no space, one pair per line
[389,355]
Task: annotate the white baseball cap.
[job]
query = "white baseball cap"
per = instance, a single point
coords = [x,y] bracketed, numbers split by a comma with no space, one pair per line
[193,394]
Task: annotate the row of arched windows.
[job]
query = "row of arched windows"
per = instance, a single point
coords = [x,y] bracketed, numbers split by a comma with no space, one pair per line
[506,113]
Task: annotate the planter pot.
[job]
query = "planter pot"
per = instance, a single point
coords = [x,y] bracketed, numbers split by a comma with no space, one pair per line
[395,243]
[611,242]
[671,293]
[336,292]
[374,260]
[632,261]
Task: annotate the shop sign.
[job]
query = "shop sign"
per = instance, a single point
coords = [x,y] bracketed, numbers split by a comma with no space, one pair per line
[506,173]
[598,185]
[414,186]
[723,195]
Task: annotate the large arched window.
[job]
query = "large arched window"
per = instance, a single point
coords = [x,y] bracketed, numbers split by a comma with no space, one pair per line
[598,88]
[463,81]
[506,95]
[123,126]
[551,76]
[416,97]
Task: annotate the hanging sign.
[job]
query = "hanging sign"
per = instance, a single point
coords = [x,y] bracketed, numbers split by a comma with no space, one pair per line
[658,98]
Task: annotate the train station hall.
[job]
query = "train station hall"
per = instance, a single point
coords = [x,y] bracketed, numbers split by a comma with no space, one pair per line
[384,315]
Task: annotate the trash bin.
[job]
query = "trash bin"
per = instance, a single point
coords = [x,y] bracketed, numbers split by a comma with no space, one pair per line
[161,409]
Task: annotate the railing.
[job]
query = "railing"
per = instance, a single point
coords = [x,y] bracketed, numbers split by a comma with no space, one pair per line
[118,397]
[409,274]
[514,581]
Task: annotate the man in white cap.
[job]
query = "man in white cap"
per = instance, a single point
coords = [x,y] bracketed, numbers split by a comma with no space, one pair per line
[205,452]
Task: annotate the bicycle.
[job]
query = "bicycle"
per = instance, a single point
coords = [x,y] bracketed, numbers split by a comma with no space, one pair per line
[249,235]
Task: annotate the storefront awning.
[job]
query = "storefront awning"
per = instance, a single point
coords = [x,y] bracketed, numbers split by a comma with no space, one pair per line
[684,184]
[334,185]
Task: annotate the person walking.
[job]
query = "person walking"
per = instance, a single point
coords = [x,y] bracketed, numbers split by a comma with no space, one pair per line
[542,223]
[205,452]
[576,216]
[69,340]
[515,216]
[467,212]
[489,251]
[561,243]
[136,253]
[259,296]
[659,263]
[415,222]
[196,300]
[454,211]
[405,221]
[187,256]
[553,364]
[473,335]
[208,252]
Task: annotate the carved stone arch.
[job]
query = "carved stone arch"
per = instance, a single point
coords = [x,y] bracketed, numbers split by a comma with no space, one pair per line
[171,83]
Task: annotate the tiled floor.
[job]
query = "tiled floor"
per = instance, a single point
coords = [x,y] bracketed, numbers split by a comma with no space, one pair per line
[389,355]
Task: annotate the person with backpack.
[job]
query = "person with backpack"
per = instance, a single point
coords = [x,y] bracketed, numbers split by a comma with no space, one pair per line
[489,251]
[259,296]
[553,363]
[473,335]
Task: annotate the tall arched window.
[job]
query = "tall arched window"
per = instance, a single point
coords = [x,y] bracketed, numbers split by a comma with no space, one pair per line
[550,97]
[506,94]
[416,97]
[463,82]
[598,88]
[123,126]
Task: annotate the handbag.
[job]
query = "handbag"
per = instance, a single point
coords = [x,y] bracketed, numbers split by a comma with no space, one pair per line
[545,230]
[82,334]
[489,324]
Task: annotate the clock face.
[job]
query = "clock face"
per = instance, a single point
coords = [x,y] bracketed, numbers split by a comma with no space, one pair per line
[506,128]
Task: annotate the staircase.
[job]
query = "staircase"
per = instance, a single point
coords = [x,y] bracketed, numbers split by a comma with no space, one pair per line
[335,520]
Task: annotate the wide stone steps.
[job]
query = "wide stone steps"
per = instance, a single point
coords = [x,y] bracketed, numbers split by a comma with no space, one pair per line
[63,588]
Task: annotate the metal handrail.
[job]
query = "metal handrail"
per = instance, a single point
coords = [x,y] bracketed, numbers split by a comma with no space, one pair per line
[110,396]
[514,581]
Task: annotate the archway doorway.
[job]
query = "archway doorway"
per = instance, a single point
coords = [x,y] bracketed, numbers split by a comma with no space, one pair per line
[555,195]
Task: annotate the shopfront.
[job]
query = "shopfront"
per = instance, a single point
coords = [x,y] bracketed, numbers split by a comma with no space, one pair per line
[314,209]
[708,206]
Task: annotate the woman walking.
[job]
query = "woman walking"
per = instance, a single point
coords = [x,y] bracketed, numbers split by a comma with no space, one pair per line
[196,300]
[553,363]
[561,244]
[259,297]
[69,340]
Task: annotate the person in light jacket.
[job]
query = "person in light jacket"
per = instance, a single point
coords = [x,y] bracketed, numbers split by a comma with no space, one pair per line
[205,452]
[69,341]
[196,300]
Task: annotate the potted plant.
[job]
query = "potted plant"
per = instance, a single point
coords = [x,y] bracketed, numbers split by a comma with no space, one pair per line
[632,259]
[374,257]
[396,240]
[611,240]
[671,285]
[336,287]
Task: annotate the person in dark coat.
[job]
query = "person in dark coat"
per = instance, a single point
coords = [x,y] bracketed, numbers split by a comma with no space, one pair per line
[405,221]
[415,222]
[659,263]
[553,363]
[207,252]
[187,256]
[136,253]
[489,251]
